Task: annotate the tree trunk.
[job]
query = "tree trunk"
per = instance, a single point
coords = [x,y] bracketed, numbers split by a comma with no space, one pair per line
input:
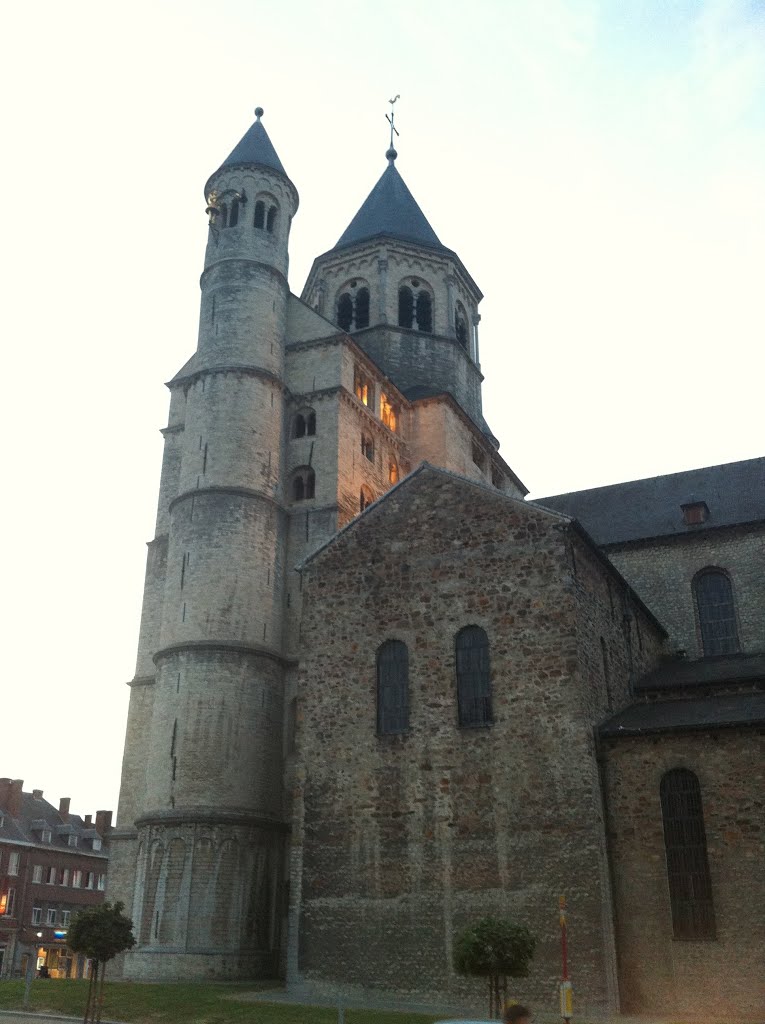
[100,1003]
[89,1005]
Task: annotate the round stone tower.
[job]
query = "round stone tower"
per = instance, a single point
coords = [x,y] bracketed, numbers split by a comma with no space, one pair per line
[209,828]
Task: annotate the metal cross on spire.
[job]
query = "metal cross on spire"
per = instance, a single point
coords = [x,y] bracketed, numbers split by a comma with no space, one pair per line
[392,154]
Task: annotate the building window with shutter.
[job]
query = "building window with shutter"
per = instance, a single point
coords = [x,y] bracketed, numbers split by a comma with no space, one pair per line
[685,844]
[716,612]
[392,688]
[473,677]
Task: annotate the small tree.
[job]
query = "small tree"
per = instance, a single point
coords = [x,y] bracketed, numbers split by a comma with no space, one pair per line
[496,949]
[100,933]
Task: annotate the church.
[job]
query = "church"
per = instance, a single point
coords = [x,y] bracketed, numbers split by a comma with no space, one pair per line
[380,694]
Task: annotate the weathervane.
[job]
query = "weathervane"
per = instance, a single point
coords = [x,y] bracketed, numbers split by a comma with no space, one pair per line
[392,154]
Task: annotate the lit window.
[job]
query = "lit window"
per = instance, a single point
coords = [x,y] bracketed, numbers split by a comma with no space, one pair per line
[363,389]
[393,472]
[690,886]
[7,902]
[50,916]
[392,687]
[388,412]
[717,612]
[36,915]
[473,677]
[13,863]
[37,873]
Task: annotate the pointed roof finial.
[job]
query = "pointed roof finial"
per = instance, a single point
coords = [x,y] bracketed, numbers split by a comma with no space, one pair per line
[258,113]
[392,154]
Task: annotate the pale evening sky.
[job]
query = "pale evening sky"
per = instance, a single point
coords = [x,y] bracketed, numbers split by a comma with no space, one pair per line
[599,165]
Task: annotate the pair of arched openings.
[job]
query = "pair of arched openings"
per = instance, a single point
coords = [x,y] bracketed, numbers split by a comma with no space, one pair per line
[415,306]
[473,677]
[716,612]
[304,424]
[303,484]
[264,217]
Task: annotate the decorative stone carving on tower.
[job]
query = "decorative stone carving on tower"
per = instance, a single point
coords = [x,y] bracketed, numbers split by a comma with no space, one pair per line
[200,847]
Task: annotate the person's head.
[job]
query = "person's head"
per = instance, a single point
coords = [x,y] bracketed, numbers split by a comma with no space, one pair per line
[517,1014]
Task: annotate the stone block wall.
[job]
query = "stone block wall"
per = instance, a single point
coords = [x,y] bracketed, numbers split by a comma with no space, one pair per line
[662,572]
[721,977]
[405,839]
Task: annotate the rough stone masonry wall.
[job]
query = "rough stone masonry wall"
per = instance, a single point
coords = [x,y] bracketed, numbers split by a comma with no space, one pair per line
[662,572]
[659,974]
[406,839]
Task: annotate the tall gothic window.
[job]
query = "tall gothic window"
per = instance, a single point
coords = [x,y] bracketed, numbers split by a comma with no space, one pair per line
[473,677]
[685,844]
[392,687]
[716,611]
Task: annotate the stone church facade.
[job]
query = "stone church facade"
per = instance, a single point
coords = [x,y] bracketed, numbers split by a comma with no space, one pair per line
[379,693]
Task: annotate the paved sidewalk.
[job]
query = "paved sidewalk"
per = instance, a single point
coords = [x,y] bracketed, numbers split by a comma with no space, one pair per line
[20,1017]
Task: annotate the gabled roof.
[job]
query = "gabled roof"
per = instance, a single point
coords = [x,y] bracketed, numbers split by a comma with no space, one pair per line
[390,209]
[639,509]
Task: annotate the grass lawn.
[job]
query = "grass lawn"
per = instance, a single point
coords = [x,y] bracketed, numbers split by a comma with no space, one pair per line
[184,1003]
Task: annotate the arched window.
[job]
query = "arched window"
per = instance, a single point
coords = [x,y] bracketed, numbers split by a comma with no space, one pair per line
[388,412]
[405,307]
[304,424]
[233,217]
[271,220]
[473,677]
[393,472]
[353,306]
[367,447]
[260,214]
[415,306]
[303,484]
[223,215]
[461,325]
[392,687]
[365,498]
[685,844]
[716,611]
[345,312]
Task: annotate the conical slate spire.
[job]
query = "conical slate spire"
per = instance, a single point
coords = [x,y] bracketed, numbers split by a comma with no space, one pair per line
[390,209]
[255,147]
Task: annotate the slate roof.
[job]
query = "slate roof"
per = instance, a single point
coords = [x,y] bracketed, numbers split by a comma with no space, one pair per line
[390,209]
[36,814]
[620,513]
[740,709]
[254,148]
[722,670]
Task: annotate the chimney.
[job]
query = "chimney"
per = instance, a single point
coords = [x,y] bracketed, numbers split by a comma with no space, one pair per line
[37,794]
[88,820]
[63,808]
[5,792]
[15,797]
[103,822]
